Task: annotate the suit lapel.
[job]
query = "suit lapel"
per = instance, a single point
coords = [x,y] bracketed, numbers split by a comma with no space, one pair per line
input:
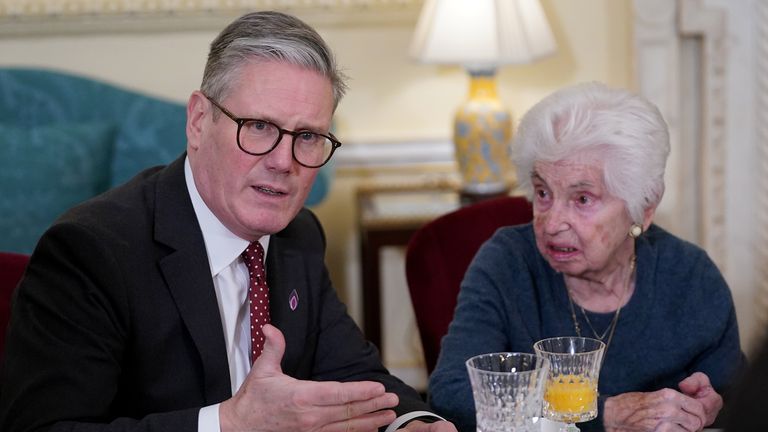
[187,273]
[286,272]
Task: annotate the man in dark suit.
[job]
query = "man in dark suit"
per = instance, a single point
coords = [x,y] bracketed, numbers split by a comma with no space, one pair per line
[148,307]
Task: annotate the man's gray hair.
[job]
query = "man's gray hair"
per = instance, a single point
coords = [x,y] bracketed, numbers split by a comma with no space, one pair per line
[625,130]
[268,36]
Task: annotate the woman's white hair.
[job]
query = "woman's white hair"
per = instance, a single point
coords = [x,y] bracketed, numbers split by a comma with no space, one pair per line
[625,131]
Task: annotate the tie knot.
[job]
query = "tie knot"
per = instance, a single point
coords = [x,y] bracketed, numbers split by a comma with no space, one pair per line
[253,254]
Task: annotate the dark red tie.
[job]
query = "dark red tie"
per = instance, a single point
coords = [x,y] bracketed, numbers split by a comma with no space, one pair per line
[258,296]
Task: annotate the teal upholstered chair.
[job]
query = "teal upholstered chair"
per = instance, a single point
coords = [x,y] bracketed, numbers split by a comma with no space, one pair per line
[65,138]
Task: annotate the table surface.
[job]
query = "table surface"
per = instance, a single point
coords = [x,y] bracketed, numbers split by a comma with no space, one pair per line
[550,426]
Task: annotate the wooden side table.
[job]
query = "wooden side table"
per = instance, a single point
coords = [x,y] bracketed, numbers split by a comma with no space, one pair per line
[388,215]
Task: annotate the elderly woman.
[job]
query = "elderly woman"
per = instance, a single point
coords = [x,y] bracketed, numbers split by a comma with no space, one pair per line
[593,264]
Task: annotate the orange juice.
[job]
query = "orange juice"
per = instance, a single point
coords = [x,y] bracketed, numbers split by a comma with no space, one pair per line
[570,394]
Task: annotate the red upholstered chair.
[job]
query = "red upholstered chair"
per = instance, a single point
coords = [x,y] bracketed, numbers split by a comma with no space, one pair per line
[438,255]
[12,267]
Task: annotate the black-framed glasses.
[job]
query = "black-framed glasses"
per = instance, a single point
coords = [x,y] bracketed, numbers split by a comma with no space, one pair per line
[259,137]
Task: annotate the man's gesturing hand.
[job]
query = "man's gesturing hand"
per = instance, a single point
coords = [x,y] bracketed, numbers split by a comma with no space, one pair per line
[269,400]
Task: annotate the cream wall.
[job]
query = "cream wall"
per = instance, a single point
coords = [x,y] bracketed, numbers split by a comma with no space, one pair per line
[162,63]
[391,97]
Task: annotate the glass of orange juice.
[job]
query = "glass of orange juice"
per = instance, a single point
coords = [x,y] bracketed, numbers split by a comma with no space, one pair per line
[570,392]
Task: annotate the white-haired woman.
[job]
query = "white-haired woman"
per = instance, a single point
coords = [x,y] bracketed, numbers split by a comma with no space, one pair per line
[593,264]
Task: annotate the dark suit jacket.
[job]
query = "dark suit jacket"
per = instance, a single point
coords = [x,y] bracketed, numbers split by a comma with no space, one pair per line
[116,325]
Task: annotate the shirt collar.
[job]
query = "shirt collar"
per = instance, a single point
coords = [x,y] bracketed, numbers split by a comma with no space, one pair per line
[221,244]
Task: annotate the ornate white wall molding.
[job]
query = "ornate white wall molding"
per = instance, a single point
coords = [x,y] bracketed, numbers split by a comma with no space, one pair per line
[79,16]
[367,154]
[686,80]
[700,21]
[705,63]
[657,64]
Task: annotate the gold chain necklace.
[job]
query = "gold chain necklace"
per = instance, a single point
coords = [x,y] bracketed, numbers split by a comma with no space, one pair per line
[612,326]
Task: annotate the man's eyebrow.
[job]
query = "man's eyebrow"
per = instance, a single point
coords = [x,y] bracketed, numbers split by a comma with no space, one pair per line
[302,127]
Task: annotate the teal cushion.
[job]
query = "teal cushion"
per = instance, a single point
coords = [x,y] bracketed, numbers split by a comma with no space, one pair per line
[149,131]
[46,169]
[322,185]
[152,132]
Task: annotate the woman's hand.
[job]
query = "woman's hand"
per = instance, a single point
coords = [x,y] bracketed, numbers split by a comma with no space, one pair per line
[692,408]
[662,410]
[698,387]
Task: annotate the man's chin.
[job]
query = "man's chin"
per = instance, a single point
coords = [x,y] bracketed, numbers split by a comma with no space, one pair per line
[268,228]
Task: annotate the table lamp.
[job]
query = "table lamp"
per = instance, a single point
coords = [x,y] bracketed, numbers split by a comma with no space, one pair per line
[482,35]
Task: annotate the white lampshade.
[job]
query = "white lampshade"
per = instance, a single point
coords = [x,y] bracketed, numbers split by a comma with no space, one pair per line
[482,34]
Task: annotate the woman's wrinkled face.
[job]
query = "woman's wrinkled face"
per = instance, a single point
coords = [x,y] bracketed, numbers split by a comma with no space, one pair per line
[581,229]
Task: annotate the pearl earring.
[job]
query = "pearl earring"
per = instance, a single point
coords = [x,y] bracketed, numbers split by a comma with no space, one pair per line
[635,230]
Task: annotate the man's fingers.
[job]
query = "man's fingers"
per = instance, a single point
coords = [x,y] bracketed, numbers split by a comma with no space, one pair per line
[355,409]
[367,422]
[339,393]
[346,403]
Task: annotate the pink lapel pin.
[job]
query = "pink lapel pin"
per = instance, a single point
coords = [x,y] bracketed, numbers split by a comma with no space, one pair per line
[293,300]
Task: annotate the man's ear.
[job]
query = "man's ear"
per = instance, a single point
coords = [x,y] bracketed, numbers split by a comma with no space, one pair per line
[197,106]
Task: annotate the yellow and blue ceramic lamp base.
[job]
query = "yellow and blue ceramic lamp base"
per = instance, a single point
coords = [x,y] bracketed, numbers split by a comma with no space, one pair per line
[482,136]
